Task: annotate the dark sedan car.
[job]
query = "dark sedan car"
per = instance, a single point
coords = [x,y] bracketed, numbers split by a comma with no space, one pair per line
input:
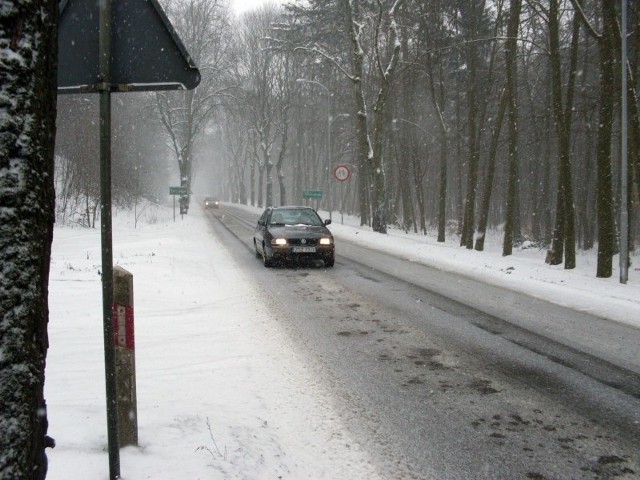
[293,233]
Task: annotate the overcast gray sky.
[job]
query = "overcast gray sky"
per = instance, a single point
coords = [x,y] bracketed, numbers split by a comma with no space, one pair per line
[240,6]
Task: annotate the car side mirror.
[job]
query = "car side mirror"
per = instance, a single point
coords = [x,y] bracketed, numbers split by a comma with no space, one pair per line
[327,222]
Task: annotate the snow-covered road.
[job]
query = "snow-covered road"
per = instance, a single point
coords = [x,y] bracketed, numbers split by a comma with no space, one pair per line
[214,370]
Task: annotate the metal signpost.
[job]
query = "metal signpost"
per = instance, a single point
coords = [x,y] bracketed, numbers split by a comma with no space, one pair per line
[120,47]
[313,195]
[342,173]
[183,192]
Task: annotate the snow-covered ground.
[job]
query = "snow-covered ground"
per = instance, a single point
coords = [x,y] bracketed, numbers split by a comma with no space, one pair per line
[222,393]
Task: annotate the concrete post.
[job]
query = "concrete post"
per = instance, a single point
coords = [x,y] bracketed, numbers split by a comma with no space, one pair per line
[125,357]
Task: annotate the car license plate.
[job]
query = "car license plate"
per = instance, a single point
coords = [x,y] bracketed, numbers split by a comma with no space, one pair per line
[304,249]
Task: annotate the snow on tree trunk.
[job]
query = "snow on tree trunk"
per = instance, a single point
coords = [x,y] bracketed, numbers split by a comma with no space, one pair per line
[27,134]
[365,152]
[373,153]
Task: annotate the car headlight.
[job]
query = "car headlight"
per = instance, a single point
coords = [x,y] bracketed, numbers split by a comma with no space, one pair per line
[279,241]
[325,241]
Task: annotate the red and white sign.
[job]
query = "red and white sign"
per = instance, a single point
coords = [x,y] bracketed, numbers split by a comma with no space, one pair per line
[123,326]
[342,173]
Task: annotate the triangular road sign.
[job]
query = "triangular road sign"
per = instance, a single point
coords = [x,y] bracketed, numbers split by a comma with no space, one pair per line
[146,53]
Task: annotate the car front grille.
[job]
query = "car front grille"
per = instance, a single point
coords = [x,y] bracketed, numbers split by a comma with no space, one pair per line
[311,242]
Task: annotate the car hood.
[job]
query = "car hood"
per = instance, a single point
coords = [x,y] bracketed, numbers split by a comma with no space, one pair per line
[299,231]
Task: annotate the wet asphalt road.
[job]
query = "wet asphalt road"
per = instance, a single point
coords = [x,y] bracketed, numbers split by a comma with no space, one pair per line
[438,376]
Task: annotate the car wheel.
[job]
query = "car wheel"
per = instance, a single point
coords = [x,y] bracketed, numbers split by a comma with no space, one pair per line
[328,262]
[255,247]
[266,260]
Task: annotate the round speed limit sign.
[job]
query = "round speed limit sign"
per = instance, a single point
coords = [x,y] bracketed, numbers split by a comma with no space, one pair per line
[342,173]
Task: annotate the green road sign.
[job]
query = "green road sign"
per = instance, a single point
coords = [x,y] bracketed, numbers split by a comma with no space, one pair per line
[312,194]
[178,191]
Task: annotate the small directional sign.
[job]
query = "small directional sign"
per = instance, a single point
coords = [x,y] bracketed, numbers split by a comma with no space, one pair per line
[312,194]
[178,191]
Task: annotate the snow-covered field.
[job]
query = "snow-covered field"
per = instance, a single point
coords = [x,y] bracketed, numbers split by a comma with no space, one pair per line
[221,392]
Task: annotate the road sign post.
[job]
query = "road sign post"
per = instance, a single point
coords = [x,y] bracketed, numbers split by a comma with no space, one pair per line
[106,47]
[342,173]
[125,357]
[183,192]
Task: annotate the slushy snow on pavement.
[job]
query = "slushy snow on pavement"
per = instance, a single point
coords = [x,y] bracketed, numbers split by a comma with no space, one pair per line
[221,391]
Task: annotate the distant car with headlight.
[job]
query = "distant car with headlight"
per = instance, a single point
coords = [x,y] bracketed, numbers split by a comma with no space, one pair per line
[211,202]
[293,234]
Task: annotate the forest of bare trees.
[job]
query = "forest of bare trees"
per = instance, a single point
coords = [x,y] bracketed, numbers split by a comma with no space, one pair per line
[455,117]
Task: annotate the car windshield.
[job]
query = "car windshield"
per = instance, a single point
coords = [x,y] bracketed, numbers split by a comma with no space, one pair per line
[297,216]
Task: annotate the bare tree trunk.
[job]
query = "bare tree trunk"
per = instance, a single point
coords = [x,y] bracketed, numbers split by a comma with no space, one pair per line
[27,135]
[468,218]
[512,220]
[409,160]
[252,180]
[418,175]
[404,181]
[365,151]
[269,179]
[87,211]
[634,119]
[281,157]
[563,240]
[545,204]
[259,187]
[379,201]
[587,202]
[180,130]
[466,239]
[438,100]
[442,193]
[606,227]
[491,168]
[634,141]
